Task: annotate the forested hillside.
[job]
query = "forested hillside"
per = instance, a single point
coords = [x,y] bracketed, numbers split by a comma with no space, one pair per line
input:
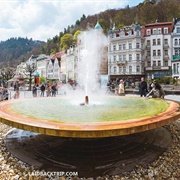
[12,49]
[145,13]
[15,50]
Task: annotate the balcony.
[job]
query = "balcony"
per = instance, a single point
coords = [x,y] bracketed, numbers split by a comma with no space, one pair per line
[176,58]
[148,47]
[165,46]
[121,62]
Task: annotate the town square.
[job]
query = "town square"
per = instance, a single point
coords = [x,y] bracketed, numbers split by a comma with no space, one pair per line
[98,101]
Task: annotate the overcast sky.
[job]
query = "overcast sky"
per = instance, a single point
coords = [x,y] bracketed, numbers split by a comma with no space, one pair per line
[44,19]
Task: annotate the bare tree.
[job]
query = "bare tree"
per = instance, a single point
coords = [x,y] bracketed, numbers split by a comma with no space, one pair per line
[6,74]
[30,69]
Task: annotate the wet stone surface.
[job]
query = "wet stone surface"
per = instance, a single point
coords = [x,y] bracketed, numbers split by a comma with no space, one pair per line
[148,158]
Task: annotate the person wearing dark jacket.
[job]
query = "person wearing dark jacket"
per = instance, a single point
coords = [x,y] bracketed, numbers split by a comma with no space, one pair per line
[42,88]
[142,87]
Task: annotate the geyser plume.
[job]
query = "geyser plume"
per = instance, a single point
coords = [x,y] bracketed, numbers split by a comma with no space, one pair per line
[91,51]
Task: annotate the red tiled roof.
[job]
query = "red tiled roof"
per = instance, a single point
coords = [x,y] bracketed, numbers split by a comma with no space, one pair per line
[58,55]
[158,23]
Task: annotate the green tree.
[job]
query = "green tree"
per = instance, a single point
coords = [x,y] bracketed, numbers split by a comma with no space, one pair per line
[76,35]
[66,41]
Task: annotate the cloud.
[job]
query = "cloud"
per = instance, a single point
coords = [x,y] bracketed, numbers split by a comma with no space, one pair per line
[43,19]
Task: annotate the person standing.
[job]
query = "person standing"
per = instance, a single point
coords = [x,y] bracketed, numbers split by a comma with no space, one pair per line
[17,94]
[34,91]
[121,88]
[116,86]
[53,89]
[48,90]
[143,87]
[42,88]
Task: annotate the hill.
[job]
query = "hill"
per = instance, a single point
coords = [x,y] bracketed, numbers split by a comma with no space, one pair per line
[13,49]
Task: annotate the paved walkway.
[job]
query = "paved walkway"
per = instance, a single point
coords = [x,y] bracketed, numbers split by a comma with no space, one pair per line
[28,94]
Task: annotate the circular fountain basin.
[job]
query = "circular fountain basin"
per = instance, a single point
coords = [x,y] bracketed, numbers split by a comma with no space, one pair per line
[102,117]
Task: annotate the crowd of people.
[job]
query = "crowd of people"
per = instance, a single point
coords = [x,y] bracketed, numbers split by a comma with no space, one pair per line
[117,86]
[46,89]
[154,89]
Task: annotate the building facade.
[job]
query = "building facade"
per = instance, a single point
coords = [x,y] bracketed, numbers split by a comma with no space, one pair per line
[42,61]
[125,53]
[158,47]
[176,48]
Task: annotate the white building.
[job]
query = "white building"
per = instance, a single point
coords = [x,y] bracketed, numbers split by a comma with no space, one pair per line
[54,66]
[70,64]
[176,48]
[125,53]
[158,52]
[41,62]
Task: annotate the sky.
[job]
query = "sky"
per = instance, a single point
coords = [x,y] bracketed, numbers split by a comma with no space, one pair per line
[44,19]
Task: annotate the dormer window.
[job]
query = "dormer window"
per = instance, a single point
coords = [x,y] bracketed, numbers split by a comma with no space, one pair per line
[159,30]
[154,31]
[137,33]
[165,30]
[122,34]
[148,32]
[178,30]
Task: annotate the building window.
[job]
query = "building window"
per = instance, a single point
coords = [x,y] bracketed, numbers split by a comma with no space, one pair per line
[148,32]
[154,42]
[154,63]
[148,43]
[124,69]
[130,45]
[120,47]
[159,63]
[175,42]
[124,46]
[178,68]
[137,45]
[174,68]
[138,56]
[114,47]
[176,52]
[130,57]
[130,69]
[120,57]
[148,53]
[166,63]
[159,52]
[158,41]
[166,52]
[159,30]
[154,31]
[120,69]
[138,68]
[165,30]
[178,30]
[149,63]
[165,41]
[114,58]
[154,52]
[124,57]
[115,69]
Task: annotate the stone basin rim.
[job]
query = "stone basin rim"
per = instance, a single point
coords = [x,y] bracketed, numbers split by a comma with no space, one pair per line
[94,129]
